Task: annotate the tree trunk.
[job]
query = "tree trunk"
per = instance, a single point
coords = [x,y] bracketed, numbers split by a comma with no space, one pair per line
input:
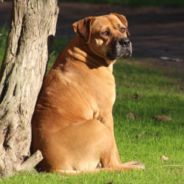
[33,26]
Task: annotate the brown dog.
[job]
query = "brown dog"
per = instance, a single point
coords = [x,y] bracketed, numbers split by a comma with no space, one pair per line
[73,123]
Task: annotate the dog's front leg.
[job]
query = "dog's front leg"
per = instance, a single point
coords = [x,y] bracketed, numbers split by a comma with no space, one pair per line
[107,120]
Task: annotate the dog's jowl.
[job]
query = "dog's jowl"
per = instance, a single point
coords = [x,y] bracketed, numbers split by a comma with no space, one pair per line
[73,123]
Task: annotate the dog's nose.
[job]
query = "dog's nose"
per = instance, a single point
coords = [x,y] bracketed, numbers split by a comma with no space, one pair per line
[125,42]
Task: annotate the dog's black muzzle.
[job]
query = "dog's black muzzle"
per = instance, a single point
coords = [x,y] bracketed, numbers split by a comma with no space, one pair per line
[122,47]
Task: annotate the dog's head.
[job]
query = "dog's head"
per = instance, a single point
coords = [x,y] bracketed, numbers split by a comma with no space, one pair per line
[106,35]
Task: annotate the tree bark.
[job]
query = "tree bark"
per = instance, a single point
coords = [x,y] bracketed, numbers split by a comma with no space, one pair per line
[33,26]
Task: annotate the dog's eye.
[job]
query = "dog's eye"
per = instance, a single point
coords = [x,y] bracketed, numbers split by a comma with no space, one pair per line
[105,33]
[122,29]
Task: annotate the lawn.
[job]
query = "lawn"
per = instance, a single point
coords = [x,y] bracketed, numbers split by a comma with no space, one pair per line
[143,93]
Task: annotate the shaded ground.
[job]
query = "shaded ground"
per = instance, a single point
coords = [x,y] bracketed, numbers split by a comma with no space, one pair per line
[155,32]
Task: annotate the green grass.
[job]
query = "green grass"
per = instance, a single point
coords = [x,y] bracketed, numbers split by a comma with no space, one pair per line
[159,93]
[3,37]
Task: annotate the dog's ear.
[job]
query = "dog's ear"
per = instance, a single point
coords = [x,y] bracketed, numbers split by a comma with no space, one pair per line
[83,28]
[123,20]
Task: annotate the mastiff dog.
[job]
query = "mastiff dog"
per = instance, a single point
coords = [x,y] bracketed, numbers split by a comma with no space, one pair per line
[73,123]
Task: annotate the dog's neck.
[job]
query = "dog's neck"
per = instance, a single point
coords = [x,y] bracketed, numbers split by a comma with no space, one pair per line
[82,53]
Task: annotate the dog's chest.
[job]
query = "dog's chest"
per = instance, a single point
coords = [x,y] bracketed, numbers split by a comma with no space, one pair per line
[102,85]
[85,93]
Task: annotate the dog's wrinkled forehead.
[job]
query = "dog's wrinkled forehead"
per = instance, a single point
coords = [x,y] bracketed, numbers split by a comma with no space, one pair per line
[111,21]
[87,27]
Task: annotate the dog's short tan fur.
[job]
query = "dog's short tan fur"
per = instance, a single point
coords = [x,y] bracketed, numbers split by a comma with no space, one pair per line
[73,123]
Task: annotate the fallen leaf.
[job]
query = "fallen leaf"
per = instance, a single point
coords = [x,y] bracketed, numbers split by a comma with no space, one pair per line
[182,88]
[163,118]
[130,85]
[171,59]
[135,96]
[130,115]
[111,182]
[133,116]
[143,133]
[165,58]
[164,158]
[140,135]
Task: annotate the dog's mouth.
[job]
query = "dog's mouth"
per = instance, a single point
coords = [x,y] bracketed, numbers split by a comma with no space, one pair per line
[118,50]
[126,55]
